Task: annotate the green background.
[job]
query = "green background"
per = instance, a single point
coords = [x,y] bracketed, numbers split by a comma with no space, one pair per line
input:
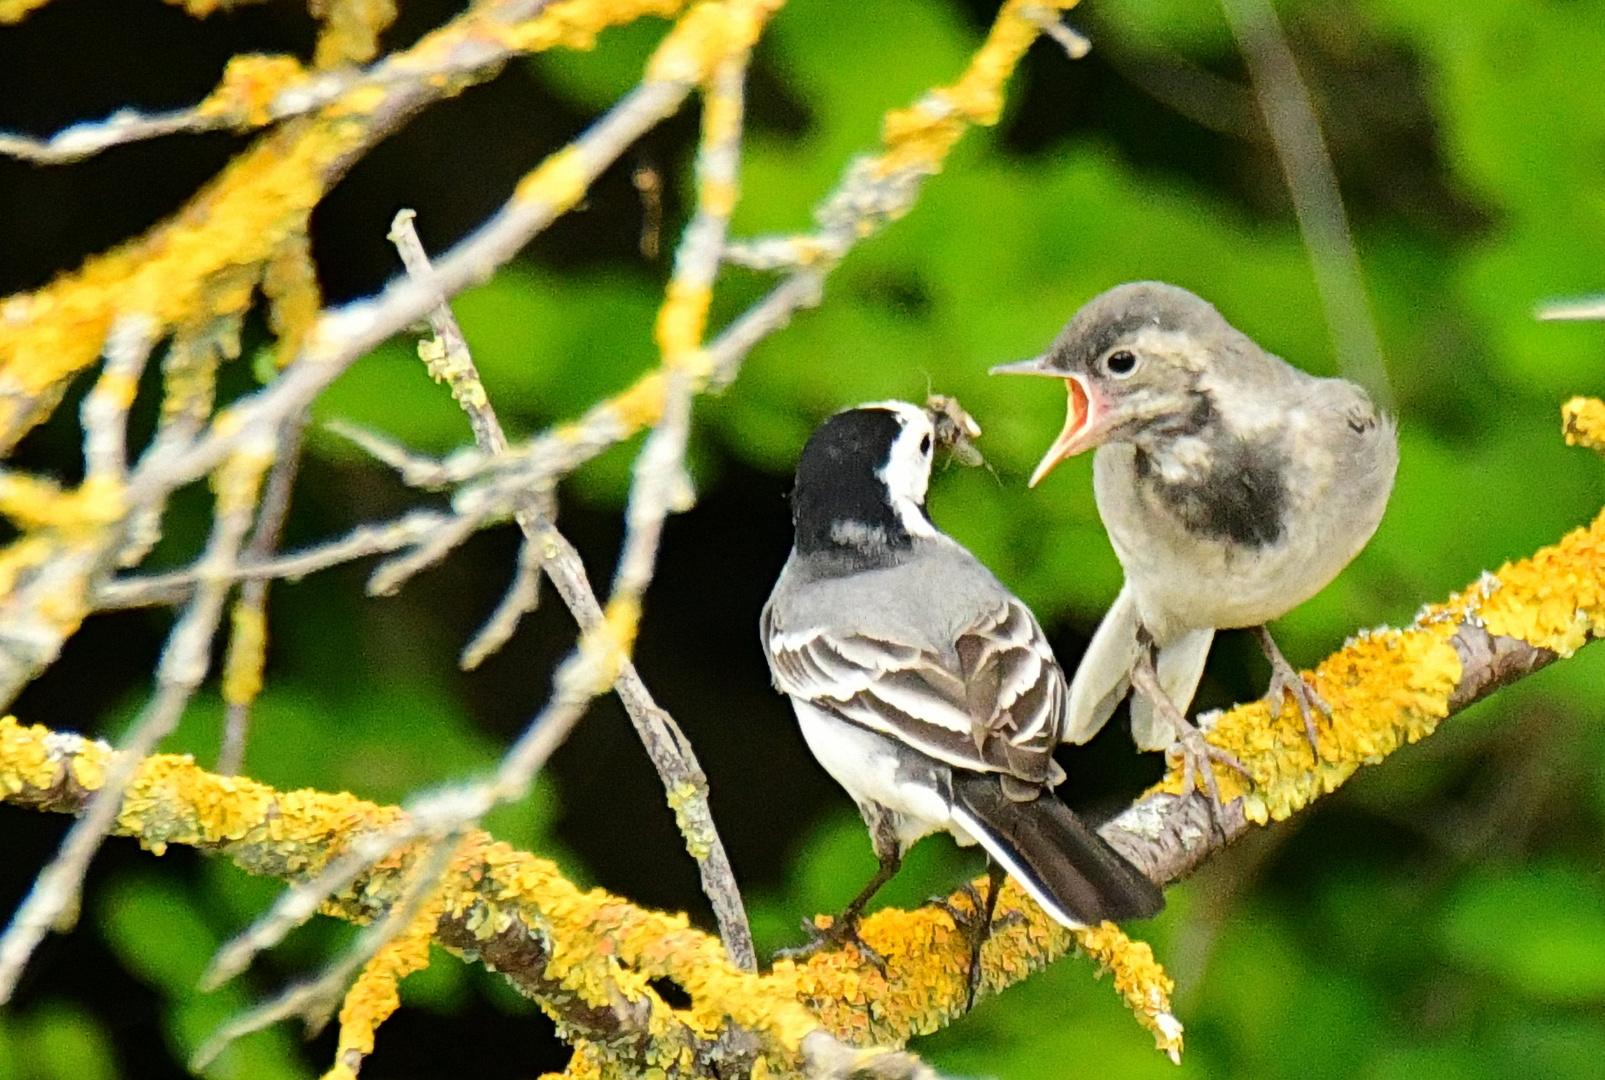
[1442,917]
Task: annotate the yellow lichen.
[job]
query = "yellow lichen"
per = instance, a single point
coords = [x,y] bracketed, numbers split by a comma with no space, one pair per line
[1386,688]
[1139,980]
[918,138]
[376,995]
[559,181]
[242,671]
[14,11]
[22,555]
[1583,422]
[351,29]
[574,24]
[290,283]
[1556,599]
[681,320]
[706,35]
[251,82]
[33,502]
[25,758]
[682,795]
[641,405]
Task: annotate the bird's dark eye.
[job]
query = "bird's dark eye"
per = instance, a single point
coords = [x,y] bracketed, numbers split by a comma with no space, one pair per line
[1121,363]
[925,445]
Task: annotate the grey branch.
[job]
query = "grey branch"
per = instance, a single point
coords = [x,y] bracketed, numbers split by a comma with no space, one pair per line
[667,746]
[53,899]
[416,70]
[1168,836]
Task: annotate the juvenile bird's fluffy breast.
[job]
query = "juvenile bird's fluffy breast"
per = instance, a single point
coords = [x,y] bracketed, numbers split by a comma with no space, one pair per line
[1255,531]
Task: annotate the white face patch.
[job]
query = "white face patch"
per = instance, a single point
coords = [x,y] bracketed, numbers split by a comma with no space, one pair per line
[907,472]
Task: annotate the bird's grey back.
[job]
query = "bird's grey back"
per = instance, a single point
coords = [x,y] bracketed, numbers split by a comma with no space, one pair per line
[925,599]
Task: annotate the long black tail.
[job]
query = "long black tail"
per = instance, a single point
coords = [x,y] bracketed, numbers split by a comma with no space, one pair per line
[1065,866]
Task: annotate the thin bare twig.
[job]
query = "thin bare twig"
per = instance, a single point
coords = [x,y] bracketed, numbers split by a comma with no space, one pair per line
[667,746]
[519,600]
[242,666]
[1295,130]
[316,999]
[53,900]
[155,590]
[104,413]
[450,360]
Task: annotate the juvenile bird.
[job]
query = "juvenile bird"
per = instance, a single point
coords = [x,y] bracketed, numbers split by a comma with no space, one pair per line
[1234,487]
[922,684]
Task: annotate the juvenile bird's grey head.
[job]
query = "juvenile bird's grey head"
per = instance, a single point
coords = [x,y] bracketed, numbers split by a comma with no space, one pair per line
[1132,360]
[861,482]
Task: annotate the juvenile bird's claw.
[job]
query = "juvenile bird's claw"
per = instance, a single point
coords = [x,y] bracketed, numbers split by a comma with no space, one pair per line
[1198,760]
[1285,680]
[842,931]
[1198,755]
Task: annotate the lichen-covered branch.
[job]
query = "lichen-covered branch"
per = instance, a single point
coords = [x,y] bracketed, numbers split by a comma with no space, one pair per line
[587,958]
[545,548]
[193,278]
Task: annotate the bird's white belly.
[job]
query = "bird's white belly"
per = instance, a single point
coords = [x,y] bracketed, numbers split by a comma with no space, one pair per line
[1238,589]
[874,769]
[1184,581]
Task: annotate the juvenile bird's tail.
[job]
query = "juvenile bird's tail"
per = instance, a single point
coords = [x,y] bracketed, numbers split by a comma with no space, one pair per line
[1104,676]
[1065,866]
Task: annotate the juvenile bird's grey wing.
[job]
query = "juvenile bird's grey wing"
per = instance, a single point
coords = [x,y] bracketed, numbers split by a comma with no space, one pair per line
[1179,665]
[1364,439]
[1103,678]
[991,700]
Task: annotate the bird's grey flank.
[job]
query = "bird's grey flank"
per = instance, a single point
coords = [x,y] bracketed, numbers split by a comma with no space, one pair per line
[921,683]
[1233,485]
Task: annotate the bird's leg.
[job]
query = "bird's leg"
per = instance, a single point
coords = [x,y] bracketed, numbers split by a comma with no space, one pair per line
[994,885]
[1287,680]
[976,923]
[1197,753]
[844,928]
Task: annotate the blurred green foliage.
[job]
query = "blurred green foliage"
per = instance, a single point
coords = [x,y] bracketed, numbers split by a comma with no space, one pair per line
[1473,947]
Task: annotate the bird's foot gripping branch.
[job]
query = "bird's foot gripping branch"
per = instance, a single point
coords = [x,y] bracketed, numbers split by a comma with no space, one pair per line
[1389,687]
[590,958]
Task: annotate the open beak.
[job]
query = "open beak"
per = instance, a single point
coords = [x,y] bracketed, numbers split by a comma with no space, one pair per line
[1087,418]
[1086,422]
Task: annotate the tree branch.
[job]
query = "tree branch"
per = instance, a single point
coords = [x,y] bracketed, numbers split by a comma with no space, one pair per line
[1387,688]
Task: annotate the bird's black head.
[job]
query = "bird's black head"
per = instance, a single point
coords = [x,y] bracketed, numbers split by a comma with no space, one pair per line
[861,482]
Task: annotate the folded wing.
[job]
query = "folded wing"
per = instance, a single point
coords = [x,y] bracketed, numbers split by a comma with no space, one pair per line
[993,703]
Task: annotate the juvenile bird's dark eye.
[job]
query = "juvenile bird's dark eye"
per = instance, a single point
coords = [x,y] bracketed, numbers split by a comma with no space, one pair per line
[1121,363]
[925,445]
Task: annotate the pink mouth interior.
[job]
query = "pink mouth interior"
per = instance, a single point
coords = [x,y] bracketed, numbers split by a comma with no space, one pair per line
[1077,418]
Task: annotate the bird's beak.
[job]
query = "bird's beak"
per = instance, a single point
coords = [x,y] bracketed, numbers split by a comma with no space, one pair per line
[1086,422]
[1037,365]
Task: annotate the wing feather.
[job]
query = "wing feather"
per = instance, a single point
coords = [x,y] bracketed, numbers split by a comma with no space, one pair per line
[995,702]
